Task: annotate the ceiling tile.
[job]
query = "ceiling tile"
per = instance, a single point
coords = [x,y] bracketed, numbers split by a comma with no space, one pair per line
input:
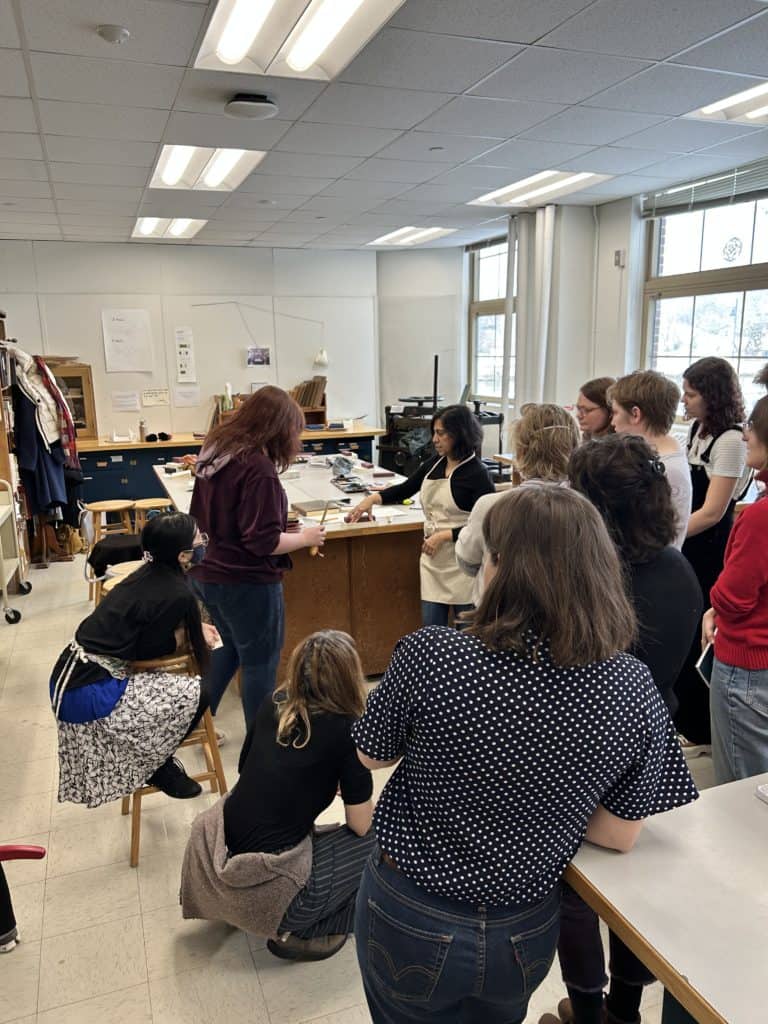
[30,204]
[424,60]
[483,178]
[13,76]
[588,124]
[22,170]
[432,193]
[749,147]
[41,234]
[17,115]
[248,201]
[741,50]
[333,207]
[345,103]
[94,193]
[335,139]
[20,146]
[11,214]
[248,215]
[487,19]
[625,185]
[92,120]
[220,130]
[422,209]
[556,76]
[100,174]
[161,33]
[520,153]
[653,29]
[348,188]
[499,119]
[9,37]
[408,171]
[38,189]
[274,185]
[295,165]
[72,149]
[682,168]
[95,220]
[81,206]
[669,89]
[206,92]
[183,201]
[431,146]
[683,135]
[614,160]
[60,76]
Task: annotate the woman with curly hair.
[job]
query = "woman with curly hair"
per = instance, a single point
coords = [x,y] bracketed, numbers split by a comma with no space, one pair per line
[716,457]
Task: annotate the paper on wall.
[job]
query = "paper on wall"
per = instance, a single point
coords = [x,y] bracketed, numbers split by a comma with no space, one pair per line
[127,340]
[125,401]
[186,372]
[155,396]
[186,395]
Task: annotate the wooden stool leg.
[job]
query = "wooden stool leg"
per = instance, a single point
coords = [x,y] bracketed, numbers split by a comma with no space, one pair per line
[214,752]
[98,530]
[125,519]
[135,830]
[97,594]
[141,520]
[125,806]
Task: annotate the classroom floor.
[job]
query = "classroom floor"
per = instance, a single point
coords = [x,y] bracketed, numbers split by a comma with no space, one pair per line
[104,941]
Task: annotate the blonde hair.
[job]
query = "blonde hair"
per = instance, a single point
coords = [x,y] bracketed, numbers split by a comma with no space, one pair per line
[545,437]
[324,674]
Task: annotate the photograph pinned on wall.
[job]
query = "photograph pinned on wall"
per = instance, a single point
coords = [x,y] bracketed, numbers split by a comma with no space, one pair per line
[256,355]
[257,385]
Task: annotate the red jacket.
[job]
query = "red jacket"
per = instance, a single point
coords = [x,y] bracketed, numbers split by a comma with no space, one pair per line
[740,595]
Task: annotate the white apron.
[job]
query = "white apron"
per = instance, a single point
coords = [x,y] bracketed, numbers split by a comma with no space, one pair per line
[442,580]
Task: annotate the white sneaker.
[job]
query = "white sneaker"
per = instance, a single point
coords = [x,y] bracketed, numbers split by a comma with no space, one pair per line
[693,750]
[8,947]
[221,737]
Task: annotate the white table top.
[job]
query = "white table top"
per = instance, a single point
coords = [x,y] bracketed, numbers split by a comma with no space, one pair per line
[311,483]
[695,887]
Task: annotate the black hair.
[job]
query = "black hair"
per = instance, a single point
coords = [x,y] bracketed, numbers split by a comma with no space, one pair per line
[461,424]
[716,381]
[163,539]
[626,481]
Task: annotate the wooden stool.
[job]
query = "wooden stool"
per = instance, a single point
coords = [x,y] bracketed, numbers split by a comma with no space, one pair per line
[122,508]
[203,736]
[116,574]
[144,505]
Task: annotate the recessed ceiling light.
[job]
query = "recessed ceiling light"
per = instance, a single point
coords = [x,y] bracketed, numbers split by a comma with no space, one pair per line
[158,229]
[745,106]
[291,38]
[202,168]
[147,225]
[521,193]
[412,236]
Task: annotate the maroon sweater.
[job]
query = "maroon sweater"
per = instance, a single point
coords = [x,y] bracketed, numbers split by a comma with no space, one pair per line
[242,507]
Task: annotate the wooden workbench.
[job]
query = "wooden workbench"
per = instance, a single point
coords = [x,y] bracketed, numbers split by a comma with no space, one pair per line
[366,583]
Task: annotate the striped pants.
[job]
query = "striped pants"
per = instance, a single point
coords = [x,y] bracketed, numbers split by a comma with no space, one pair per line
[326,904]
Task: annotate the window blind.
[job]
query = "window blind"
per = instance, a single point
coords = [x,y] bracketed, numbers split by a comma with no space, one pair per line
[736,185]
[485,244]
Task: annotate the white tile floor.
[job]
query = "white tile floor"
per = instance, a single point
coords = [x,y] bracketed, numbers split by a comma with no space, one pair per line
[105,942]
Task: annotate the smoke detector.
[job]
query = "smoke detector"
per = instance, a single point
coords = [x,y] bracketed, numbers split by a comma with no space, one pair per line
[255,106]
[116,34]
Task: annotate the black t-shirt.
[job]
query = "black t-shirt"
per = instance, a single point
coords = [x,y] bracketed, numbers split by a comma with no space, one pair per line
[282,789]
[667,599]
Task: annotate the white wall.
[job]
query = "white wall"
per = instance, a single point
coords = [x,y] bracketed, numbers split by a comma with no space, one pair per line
[293,301]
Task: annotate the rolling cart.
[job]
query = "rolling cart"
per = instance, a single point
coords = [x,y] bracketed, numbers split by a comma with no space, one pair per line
[9,551]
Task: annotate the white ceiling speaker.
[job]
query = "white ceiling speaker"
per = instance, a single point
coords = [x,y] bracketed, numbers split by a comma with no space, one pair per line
[255,106]
[116,34]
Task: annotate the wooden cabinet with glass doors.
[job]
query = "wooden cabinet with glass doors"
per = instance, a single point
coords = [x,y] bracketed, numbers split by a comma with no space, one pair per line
[76,383]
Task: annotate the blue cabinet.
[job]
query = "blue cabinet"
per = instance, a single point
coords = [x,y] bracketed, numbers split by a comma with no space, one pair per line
[361,446]
[126,473]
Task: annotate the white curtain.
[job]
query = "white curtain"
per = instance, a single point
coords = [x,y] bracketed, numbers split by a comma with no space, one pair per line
[535,362]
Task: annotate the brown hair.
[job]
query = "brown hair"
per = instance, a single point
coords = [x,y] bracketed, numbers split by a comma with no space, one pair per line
[758,422]
[762,377]
[716,381]
[544,438]
[558,575]
[270,422]
[596,391]
[324,674]
[656,396]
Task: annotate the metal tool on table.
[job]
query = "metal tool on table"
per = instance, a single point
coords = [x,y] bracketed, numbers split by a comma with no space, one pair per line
[314,551]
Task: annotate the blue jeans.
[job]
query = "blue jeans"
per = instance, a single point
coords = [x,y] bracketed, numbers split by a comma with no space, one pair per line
[435,614]
[250,619]
[429,958]
[738,701]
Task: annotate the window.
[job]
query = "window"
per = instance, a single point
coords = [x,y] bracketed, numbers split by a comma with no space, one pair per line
[488,288]
[708,293]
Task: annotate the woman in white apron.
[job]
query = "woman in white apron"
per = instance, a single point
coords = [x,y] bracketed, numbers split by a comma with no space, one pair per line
[449,484]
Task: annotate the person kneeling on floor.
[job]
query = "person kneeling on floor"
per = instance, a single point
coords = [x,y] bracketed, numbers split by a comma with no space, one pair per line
[254,859]
[119,727]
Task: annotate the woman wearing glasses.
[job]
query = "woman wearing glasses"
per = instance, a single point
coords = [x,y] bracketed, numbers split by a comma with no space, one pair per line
[593,410]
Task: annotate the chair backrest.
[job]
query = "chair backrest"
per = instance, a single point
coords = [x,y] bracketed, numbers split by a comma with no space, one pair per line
[181,663]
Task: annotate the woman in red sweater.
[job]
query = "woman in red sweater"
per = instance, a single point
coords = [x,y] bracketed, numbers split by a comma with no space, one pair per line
[738,624]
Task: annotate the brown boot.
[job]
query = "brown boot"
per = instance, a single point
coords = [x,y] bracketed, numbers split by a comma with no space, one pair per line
[293,948]
[564,1014]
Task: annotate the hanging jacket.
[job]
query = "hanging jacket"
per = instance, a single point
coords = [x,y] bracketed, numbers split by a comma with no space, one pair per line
[66,423]
[32,385]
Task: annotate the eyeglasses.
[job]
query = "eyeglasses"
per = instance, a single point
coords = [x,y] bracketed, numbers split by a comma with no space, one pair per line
[583,410]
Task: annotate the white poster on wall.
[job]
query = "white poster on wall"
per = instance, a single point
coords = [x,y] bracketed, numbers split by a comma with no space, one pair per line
[155,396]
[186,396]
[127,340]
[186,372]
[125,401]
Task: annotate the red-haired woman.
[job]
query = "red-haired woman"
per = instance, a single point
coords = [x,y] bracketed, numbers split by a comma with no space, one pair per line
[240,503]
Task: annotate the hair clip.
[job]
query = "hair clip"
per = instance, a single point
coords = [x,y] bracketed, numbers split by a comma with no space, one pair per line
[657,467]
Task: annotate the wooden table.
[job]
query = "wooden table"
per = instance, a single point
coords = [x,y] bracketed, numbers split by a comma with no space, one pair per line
[366,583]
[691,900]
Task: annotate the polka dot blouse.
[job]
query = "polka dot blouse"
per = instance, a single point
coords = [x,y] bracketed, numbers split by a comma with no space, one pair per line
[506,756]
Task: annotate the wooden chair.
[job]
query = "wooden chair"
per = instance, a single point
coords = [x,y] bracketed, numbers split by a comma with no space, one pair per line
[203,736]
[144,505]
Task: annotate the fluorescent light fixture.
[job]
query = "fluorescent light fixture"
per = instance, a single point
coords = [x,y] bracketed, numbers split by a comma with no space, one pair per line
[736,99]
[321,29]
[244,23]
[158,229]
[291,38]
[520,193]
[760,112]
[175,163]
[412,236]
[221,170]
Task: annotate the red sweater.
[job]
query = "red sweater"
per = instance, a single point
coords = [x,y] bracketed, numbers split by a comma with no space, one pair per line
[740,596]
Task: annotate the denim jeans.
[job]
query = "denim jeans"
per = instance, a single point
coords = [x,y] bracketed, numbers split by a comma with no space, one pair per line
[250,619]
[428,958]
[738,700]
[435,614]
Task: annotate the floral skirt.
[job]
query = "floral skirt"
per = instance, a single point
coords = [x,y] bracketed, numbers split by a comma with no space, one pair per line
[107,759]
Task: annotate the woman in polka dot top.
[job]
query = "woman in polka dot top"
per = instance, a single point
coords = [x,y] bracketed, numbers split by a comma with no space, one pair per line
[514,740]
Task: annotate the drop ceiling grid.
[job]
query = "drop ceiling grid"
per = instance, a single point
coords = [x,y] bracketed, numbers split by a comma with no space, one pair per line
[80,94]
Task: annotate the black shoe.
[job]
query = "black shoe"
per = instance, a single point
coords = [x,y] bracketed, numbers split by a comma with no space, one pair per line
[174,781]
[293,948]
